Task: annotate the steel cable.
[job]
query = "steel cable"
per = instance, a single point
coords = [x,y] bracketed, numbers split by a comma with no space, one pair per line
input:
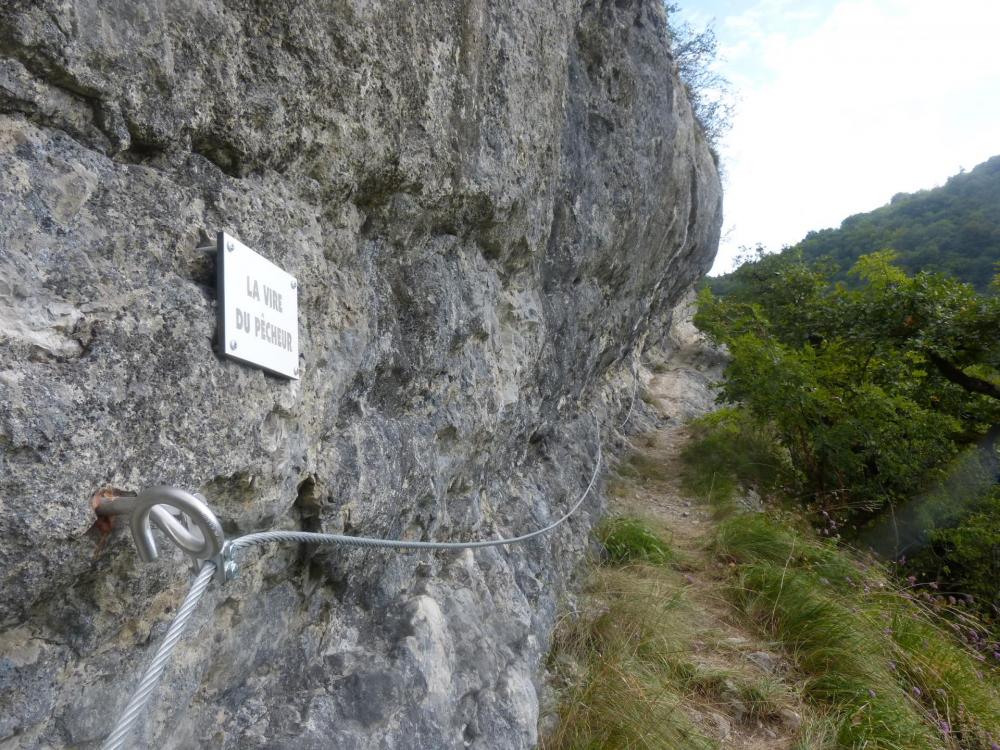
[154,671]
[635,390]
[143,692]
[263,537]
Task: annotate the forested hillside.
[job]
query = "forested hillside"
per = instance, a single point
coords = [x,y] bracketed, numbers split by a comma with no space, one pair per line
[954,228]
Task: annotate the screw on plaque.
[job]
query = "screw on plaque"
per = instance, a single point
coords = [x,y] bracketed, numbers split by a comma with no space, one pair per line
[294,284]
[232,344]
[230,246]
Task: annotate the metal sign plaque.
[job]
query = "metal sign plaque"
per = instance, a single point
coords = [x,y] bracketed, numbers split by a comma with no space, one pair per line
[258,309]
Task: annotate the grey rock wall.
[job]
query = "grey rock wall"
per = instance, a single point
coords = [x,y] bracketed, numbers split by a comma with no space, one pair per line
[487,205]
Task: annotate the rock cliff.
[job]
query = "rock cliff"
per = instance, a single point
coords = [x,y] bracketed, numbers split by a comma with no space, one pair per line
[487,206]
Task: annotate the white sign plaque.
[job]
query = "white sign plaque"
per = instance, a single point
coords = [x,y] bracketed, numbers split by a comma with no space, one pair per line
[258,309]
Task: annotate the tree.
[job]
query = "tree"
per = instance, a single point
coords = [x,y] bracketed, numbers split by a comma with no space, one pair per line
[709,92]
[872,389]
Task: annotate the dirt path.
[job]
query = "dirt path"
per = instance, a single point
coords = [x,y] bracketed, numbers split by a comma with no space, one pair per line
[723,643]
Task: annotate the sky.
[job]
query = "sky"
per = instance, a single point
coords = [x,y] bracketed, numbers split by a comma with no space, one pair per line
[841,104]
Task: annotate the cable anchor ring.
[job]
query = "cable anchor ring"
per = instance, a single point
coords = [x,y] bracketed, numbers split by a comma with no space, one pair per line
[183,517]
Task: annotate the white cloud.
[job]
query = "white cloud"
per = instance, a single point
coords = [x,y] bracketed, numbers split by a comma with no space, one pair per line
[839,113]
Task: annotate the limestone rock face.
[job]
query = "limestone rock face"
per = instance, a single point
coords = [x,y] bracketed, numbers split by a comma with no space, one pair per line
[486,204]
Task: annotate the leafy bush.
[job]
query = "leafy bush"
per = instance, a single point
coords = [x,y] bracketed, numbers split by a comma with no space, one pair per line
[709,92]
[968,554]
[877,394]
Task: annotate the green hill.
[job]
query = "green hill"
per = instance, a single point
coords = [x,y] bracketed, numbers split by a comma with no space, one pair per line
[954,228]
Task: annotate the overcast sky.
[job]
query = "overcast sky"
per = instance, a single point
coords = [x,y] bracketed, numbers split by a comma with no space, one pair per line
[844,103]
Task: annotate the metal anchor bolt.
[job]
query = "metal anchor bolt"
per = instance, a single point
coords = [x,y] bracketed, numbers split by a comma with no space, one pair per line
[184,518]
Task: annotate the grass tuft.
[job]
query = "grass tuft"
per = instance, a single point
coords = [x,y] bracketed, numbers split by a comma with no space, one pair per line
[629,540]
[619,690]
[629,666]
[866,664]
[883,665]
[759,537]
[727,451]
[818,732]
[641,467]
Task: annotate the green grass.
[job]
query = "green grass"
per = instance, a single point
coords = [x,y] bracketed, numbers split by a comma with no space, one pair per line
[818,732]
[633,540]
[758,697]
[884,667]
[869,667]
[641,467]
[726,453]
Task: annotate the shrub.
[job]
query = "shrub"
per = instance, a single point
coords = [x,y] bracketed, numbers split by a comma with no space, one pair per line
[968,555]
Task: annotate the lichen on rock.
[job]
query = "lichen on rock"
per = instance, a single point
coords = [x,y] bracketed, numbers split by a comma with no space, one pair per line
[488,205]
